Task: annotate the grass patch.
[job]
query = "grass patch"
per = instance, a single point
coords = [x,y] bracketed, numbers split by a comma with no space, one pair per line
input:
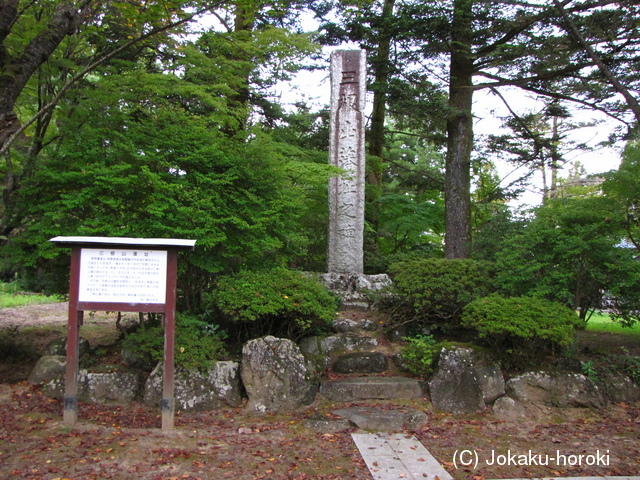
[600,322]
[11,296]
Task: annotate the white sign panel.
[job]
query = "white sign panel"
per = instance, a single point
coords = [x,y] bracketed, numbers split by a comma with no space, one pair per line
[123,276]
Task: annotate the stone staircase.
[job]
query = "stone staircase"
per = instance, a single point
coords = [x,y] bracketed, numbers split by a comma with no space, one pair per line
[360,364]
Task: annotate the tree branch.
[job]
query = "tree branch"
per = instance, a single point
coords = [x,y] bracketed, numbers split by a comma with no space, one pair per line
[546,93]
[632,102]
[92,66]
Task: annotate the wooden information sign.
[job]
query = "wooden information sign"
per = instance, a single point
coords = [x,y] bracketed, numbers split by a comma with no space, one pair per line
[122,275]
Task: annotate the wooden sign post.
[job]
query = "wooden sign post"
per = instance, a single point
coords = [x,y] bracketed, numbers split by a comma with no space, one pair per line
[122,275]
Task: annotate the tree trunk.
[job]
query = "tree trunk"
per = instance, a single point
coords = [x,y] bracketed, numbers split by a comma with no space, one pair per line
[459,135]
[239,101]
[18,69]
[381,71]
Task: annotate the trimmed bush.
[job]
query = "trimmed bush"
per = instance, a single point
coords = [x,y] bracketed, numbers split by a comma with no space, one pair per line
[522,330]
[420,354]
[434,291]
[277,302]
[197,343]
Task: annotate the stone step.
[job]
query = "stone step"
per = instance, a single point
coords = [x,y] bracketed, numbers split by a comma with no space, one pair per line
[353,389]
[361,362]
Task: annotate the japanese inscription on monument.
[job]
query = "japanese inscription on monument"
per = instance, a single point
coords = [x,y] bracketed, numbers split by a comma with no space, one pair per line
[123,275]
[346,150]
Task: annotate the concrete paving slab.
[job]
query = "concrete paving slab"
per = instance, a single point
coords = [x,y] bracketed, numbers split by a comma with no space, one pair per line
[578,478]
[398,456]
[401,456]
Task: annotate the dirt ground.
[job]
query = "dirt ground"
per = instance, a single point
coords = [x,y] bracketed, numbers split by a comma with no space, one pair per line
[125,441]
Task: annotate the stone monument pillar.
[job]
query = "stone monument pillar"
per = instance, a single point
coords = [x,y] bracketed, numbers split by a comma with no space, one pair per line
[347,151]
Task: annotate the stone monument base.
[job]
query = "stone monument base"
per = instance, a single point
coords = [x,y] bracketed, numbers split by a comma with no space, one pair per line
[354,288]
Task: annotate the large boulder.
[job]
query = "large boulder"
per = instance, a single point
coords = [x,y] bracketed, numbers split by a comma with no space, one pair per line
[619,388]
[194,390]
[48,368]
[490,378]
[113,387]
[465,381]
[55,388]
[276,376]
[558,389]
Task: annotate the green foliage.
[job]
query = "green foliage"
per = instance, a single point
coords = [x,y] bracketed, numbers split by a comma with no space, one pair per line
[571,252]
[434,291]
[198,344]
[405,212]
[522,330]
[277,302]
[589,370]
[154,167]
[623,185]
[164,140]
[420,354]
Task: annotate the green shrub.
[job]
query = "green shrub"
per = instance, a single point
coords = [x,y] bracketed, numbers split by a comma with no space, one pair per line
[434,291]
[522,330]
[420,354]
[198,344]
[277,302]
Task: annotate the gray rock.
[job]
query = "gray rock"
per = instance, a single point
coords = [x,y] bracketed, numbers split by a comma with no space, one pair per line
[59,347]
[276,375]
[465,381]
[400,363]
[328,425]
[555,390]
[335,344]
[114,387]
[619,388]
[55,388]
[491,381]
[377,420]
[319,350]
[354,288]
[508,409]
[455,386]
[194,390]
[361,362]
[345,325]
[49,367]
[366,388]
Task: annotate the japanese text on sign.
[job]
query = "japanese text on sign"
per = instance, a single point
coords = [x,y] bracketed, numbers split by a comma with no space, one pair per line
[123,276]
